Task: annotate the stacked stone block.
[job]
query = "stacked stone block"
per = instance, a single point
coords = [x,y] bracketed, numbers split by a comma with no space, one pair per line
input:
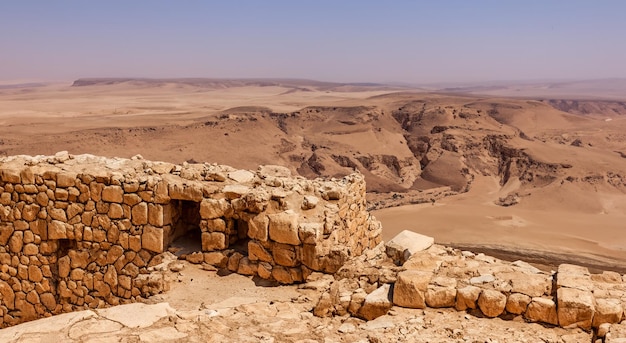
[291,228]
[569,297]
[441,277]
[83,231]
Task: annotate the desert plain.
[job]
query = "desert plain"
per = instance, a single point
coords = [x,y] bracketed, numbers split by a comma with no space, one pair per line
[532,171]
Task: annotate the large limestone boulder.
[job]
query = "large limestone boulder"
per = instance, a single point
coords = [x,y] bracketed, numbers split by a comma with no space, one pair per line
[607,311]
[517,303]
[542,310]
[213,208]
[491,302]
[406,243]
[283,227]
[572,276]
[616,333]
[377,303]
[466,298]
[533,285]
[575,307]
[409,288]
[441,292]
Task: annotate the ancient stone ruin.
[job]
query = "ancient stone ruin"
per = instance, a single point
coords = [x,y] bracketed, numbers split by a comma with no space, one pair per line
[83,231]
[415,273]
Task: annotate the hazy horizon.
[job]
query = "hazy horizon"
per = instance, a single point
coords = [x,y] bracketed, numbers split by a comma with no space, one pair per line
[350,41]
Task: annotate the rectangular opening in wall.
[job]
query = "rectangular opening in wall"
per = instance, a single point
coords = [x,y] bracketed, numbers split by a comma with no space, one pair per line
[185,236]
[64,246]
[238,236]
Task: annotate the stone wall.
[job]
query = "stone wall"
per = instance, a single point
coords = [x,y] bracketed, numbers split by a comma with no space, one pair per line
[85,232]
[417,274]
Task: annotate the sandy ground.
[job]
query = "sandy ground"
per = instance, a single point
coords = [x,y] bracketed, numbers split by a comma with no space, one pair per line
[358,128]
[473,221]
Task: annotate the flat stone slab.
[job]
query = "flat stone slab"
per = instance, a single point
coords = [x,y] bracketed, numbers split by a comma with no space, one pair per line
[376,303]
[166,334]
[241,176]
[274,171]
[379,323]
[59,323]
[137,315]
[575,307]
[485,278]
[406,243]
[93,327]
[235,191]
[233,302]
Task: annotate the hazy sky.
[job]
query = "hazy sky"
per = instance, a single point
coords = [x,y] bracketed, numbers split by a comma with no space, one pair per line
[348,41]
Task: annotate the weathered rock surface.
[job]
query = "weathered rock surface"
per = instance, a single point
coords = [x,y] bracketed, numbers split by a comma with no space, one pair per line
[441,292]
[410,287]
[542,310]
[491,303]
[405,244]
[256,314]
[608,311]
[466,298]
[575,307]
[517,303]
[376,303]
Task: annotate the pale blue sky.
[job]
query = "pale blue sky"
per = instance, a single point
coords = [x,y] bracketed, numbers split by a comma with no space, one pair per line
[346,41]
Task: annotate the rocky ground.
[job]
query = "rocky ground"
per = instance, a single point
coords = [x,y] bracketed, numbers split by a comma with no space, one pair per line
[209,305]
[239,311]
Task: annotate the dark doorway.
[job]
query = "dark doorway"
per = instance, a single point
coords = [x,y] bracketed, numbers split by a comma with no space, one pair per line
[185,236]
[238,236]
[64,247]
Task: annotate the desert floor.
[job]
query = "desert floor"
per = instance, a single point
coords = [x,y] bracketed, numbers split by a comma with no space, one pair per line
[177,122]
[544,236]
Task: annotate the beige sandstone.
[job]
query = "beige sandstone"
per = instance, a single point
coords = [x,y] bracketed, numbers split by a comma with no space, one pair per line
[410,287]
[405,244]
[491,302]
[441,292]
[607,311]
[467,297]
[376,303]
[575,307]
[283,228]
[517,303]
[542,310]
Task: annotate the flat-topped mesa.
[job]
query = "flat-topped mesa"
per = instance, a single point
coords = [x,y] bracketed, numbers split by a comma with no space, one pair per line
[83,231]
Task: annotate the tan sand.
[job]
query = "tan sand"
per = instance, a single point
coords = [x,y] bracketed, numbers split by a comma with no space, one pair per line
[472,220]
